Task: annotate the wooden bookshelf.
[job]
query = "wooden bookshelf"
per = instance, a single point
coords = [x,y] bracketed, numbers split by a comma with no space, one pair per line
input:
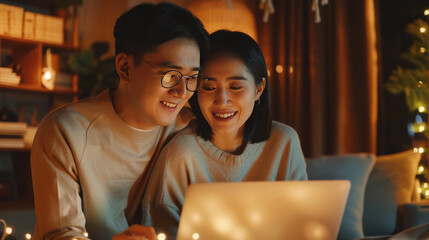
[29,53]
[24,149]
[39,89]
[15,40]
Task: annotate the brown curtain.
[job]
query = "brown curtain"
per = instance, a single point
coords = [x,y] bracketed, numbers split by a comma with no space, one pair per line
[327,90]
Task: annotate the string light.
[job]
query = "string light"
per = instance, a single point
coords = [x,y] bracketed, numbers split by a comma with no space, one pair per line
[427,193]
[425,185]
[422,30]
[421,169]
[421,109]
[420,84]
[421,150]
[162,236]
[416,150]
[85,234]
[9,230]
[420,190]
[279,68]
[422,50]
[426,12]
[27,236]
[421,128]
[195,236]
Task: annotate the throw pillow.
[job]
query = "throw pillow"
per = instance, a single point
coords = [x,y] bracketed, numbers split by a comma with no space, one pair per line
[355,168]
[390,185]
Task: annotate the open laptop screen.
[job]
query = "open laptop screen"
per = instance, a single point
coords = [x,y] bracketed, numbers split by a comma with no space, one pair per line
[264,210]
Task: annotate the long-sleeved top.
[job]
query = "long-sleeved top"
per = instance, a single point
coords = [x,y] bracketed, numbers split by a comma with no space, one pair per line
[189,159]
[84,161]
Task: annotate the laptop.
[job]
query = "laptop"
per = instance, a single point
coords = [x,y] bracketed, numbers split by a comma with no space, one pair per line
[263,210]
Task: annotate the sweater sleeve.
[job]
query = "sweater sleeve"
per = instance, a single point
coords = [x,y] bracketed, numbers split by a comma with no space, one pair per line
[164,197]
[297,168]
[56,188]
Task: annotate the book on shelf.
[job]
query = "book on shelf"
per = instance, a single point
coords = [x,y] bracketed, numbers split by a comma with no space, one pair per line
[13,128]
[10,81]
[11,18]
[6,70]
[43,28]
[29,26]
[7,76]
[63,80]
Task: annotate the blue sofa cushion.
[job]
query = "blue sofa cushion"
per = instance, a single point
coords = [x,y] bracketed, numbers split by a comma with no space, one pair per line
[390,185]
[355,168]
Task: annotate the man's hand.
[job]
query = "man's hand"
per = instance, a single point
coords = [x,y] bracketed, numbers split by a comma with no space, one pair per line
[136,232]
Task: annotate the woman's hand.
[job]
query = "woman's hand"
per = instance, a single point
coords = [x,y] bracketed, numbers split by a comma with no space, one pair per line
[136,232]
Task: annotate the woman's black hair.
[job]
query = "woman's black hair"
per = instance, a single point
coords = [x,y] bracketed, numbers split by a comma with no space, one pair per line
[145,26]
[237,44]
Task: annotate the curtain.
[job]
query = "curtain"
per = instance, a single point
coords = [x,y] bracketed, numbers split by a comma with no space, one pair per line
[323,76]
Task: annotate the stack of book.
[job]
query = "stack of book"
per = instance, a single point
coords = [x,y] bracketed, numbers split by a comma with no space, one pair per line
[43,28]
[8,77]
[12,134]
[11,20]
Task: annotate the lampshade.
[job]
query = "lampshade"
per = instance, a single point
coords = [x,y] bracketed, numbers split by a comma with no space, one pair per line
[218,14]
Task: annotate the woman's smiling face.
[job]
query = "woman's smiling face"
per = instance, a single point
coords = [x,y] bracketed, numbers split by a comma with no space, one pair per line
[227,98]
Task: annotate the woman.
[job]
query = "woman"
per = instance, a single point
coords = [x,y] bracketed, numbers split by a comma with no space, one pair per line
[233,139]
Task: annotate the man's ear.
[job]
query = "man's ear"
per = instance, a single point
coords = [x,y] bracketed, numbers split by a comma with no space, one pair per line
[260,88]
[123,63]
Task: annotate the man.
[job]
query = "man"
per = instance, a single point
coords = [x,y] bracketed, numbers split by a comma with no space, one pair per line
[87,155]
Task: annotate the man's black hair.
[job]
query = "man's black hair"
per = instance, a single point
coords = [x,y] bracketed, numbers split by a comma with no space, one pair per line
[237,44]
[145,26]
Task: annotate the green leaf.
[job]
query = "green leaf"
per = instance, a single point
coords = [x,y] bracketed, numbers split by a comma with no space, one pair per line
[82,62]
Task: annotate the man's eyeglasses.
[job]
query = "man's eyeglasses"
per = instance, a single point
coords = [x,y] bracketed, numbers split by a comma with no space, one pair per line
[171,78]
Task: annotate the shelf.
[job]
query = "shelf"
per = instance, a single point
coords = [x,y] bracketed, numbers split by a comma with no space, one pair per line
[16,40]
[10,205]
[37,89]
[25,149]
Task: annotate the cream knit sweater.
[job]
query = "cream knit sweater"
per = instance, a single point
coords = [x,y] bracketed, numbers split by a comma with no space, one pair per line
[189,159]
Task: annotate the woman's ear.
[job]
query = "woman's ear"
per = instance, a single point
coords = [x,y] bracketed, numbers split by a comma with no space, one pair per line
[260,88]
[122,62]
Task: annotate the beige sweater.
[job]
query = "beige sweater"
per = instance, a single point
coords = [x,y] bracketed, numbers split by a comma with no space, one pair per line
[188,159]
[84,162]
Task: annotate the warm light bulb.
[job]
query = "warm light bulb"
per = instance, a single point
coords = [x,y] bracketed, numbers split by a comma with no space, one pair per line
[85,234]
[422,30]
[162,236]
[421,150]
[425,185]
[416,150]
[420,190]
[422,109]
[426,12]
[268,71]
[421,169]
[422,50]
[427,193]
[47,75]
[290,69]
[195,236]
[421,128]
[27,236]
[9,230]
[279,68]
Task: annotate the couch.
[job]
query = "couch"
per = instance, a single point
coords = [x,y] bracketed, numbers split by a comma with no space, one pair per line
[383,198]
[380,202]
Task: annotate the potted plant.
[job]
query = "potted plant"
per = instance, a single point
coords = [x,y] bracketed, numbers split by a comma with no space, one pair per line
[95,73]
